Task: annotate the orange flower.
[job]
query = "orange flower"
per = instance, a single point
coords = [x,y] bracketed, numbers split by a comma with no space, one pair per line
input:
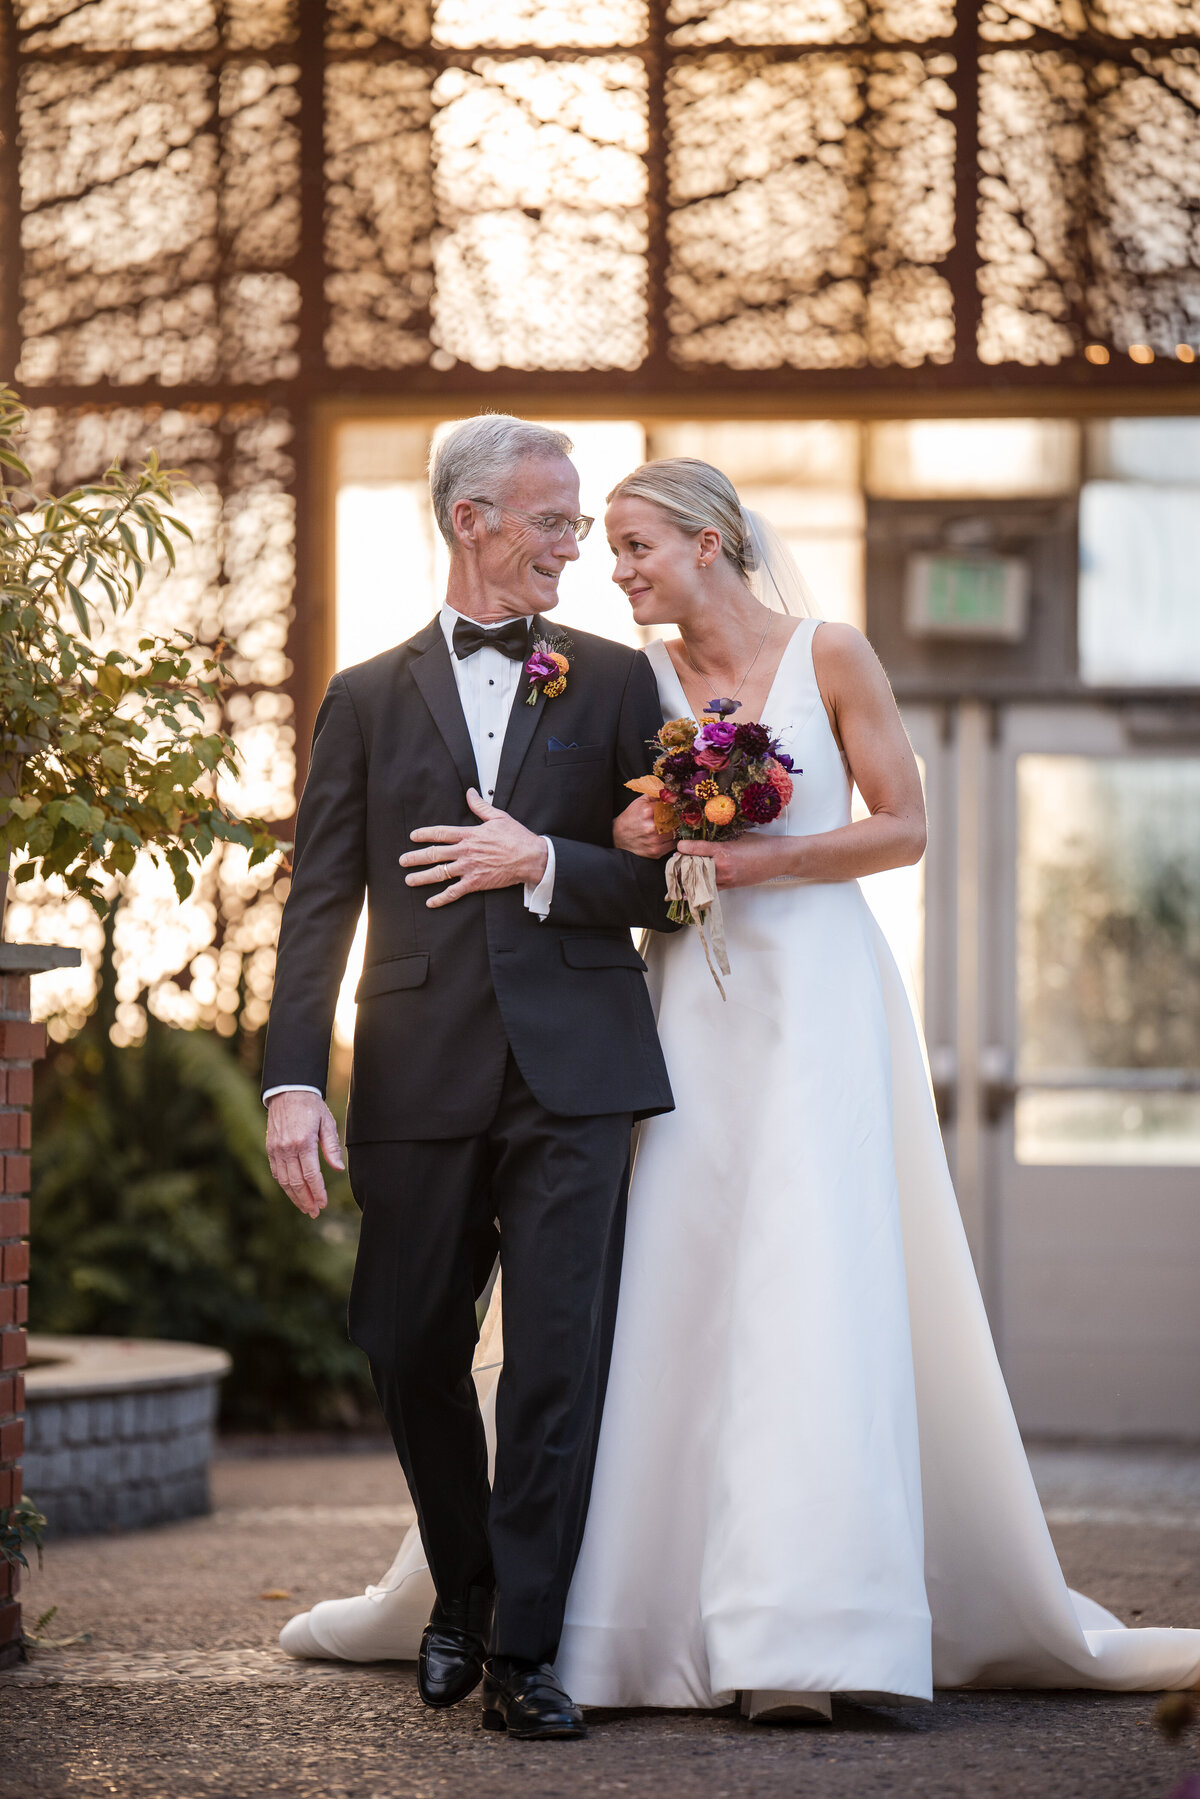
[781,781]
[721,810]
[552,689]
[678,733]
[561,662]
[666,819]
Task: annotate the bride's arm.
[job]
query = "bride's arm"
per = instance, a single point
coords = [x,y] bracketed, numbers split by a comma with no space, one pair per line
[864,718]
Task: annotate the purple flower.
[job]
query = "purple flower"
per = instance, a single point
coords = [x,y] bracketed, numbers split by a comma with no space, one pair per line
[540,668]
[716,736]
[760,803]
[753,740]
[783,759]
[723,708]
[679,768]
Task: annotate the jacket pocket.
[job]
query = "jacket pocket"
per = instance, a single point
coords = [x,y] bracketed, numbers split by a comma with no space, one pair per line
[601,952]
[577,752]
[390,977]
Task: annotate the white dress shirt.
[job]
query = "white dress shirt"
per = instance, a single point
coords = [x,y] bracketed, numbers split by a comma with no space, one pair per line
[487,685]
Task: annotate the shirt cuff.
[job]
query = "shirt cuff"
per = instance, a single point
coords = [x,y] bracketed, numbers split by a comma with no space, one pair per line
[537,899]
[294,1087]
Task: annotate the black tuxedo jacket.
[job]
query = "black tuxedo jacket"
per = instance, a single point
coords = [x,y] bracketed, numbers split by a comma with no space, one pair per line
[445,993]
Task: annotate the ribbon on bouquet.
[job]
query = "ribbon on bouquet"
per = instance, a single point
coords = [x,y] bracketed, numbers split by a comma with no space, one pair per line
[692,882]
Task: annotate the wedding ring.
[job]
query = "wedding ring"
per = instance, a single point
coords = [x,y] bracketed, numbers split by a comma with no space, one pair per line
[444,872]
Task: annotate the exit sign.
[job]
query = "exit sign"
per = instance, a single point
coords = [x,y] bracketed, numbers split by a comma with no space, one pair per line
[972,595]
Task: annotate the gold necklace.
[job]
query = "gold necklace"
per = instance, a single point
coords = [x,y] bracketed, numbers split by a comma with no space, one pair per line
[753,659]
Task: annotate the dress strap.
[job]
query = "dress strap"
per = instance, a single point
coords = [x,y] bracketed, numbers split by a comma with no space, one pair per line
[804,667]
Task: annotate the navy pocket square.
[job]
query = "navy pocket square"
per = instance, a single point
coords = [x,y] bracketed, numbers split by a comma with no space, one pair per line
[552,743]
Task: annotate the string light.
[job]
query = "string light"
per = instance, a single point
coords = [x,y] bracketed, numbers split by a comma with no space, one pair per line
[1096,353]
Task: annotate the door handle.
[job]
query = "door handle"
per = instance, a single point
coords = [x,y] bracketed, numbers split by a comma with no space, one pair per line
[997,1081]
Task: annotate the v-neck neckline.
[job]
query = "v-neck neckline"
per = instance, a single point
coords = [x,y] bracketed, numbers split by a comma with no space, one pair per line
[766,707]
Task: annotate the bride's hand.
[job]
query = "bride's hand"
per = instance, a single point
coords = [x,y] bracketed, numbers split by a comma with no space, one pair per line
[743,863]
[634,830]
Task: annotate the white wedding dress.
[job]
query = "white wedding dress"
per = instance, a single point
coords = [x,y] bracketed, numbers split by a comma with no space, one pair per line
[809,1479]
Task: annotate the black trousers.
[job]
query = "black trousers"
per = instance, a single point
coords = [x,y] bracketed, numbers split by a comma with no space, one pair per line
[556,1189]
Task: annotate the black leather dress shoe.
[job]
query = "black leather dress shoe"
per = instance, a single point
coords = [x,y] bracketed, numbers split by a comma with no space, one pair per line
[526,1699]
[450,1659]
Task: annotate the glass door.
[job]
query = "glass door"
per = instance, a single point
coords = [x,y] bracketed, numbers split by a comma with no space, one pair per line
[1089,1052]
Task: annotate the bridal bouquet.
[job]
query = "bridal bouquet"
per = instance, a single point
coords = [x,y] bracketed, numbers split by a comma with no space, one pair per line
[712,781]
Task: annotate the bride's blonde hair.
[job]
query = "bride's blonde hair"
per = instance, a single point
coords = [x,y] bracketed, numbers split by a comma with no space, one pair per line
[695,497]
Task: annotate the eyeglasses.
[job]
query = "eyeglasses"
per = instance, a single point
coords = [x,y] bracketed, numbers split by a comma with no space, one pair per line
[551,524]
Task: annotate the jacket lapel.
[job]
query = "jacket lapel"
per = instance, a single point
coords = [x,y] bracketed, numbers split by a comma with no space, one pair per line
[434,677]
[523,722]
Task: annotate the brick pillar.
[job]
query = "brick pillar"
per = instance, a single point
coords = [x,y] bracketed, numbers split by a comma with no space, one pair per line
[21,1044]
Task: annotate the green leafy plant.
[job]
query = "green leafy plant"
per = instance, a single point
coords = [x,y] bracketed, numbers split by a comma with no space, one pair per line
[21,1524]
[102,754]
[36,1639]
[155,1215]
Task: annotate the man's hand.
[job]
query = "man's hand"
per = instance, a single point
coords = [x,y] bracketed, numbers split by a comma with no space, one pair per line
[472,858]
[635,830]
[296,1124]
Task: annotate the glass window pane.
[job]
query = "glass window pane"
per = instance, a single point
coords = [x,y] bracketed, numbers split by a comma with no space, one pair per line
[825,529]
[804,475]
[1108,959]
[1109,913]
[1139,584]
[385,571]
[1143,449]
[605,450]
[1099,1128]
[824,452]
[967,458]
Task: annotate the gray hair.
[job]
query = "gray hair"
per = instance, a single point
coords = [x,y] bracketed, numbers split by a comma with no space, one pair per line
[478,454]
[695,497]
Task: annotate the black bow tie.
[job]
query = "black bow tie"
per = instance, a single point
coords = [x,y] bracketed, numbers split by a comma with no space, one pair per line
[512,639]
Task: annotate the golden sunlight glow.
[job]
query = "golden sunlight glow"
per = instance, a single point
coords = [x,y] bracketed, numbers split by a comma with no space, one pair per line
[948,458]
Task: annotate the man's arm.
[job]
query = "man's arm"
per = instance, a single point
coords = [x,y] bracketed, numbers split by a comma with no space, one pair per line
[319,918]
[605,887]
[595,885]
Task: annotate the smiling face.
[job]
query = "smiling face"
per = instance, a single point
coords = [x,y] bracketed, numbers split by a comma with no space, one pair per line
[518,565]
[657,564]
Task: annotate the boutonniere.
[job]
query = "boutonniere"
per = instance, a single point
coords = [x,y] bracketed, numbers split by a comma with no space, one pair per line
[548,667]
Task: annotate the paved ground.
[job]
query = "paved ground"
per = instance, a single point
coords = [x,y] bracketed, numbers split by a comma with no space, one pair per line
[182,1694]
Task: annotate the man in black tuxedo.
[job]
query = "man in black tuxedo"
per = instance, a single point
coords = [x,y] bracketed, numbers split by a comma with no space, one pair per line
[504,1045]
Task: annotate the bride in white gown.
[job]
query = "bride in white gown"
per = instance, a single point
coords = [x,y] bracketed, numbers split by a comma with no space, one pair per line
[809,1479]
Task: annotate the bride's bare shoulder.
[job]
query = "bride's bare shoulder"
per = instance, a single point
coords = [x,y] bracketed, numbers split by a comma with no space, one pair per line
[842,647]
[844,663]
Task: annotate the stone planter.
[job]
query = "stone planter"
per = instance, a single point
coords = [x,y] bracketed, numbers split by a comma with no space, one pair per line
[119,1432]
